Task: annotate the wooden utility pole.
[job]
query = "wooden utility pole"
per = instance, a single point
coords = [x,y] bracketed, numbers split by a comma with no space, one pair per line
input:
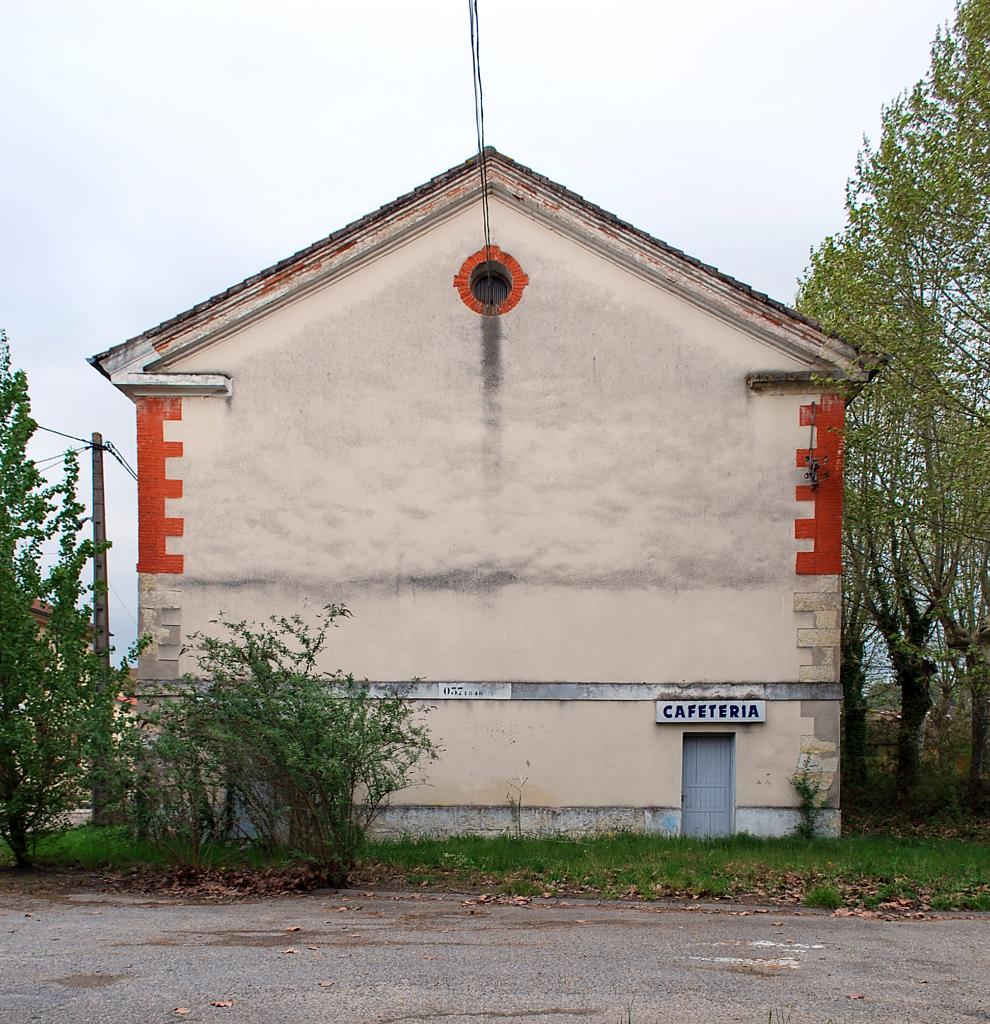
[101,608]
[101,604]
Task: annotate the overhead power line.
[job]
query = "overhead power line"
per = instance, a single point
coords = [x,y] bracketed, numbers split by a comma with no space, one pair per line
[123,604]
[49,463]
[108,446]
[479,121]
[72,437]
[60,455]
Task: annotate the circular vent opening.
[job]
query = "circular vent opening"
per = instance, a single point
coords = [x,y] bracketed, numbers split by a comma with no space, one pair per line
[490,281]
[491,284]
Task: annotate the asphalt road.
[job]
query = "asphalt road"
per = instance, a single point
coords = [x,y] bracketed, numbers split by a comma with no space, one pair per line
[390,958]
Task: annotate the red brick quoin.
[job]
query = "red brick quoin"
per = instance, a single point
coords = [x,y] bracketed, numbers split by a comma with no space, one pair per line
[462,281]
[825,529]
[153,486]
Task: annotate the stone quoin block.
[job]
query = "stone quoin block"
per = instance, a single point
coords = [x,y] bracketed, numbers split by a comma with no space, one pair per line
[816,674]
[818,637]
[816,602]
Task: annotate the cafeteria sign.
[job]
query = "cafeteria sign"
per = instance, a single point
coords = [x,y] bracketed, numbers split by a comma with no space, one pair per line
[693,712]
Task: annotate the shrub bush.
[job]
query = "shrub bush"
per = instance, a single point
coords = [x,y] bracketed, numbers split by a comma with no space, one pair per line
[809,785]
[265,745]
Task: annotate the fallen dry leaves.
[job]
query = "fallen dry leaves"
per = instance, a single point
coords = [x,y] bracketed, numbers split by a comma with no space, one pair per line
[220,884]
[862,895]
[889,913]
[503,899]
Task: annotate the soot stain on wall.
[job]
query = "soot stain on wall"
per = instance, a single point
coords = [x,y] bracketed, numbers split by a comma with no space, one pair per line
[491,399]
[491,354]
[478,580]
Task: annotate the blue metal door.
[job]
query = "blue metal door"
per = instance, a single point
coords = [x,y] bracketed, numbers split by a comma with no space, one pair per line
[707,785]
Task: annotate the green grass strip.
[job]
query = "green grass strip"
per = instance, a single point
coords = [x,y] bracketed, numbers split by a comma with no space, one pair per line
[858,871]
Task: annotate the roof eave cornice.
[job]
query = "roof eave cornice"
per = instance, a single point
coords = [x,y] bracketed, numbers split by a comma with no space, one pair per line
[566,212]
[176,385]
[340,253]
[701,285]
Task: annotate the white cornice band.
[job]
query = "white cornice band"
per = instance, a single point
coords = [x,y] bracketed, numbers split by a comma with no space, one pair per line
[199,385]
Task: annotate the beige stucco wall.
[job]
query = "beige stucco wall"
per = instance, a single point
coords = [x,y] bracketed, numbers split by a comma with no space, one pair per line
[490,747]
[583,489]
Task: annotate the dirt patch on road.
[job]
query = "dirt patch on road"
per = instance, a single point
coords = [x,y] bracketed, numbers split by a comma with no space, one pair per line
[88,980]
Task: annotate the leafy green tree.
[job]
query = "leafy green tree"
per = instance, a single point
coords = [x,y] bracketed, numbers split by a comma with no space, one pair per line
[56,698]
[853,677]
[965,620]
[906,280]
[264,743]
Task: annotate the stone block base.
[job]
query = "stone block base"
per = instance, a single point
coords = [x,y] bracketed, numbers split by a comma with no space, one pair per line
[423,820]
[783,821]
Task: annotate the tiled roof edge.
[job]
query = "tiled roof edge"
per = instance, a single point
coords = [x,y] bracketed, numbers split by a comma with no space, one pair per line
[617,221]
[356,225]
[438,181]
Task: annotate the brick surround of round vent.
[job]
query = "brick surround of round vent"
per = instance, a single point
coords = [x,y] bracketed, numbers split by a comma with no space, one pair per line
[503,266]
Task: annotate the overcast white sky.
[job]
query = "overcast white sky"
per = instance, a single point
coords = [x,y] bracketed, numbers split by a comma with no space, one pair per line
[154,153]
